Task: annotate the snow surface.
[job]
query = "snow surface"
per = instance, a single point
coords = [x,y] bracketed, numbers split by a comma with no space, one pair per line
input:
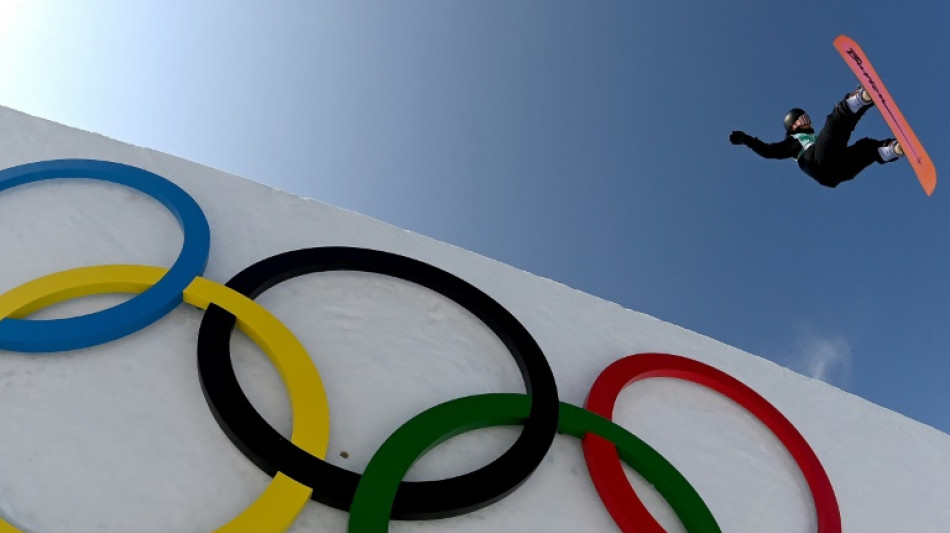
[119,438]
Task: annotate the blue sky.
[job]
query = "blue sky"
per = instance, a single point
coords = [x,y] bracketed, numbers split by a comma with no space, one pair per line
[583,142]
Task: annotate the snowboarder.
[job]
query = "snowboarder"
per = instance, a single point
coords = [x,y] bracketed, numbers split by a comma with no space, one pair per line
[826,157]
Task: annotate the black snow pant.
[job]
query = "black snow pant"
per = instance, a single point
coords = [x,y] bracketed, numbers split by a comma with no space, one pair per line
[830,161]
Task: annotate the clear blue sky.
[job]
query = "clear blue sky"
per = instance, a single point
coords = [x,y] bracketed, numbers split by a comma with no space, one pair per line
[583,142]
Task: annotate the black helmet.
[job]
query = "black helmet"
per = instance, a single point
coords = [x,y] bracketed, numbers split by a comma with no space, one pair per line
[795,116]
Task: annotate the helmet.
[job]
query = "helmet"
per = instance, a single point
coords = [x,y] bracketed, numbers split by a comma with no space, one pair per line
[796,117]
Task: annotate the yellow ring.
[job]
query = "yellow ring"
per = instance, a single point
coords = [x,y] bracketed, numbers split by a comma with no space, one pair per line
[277,508]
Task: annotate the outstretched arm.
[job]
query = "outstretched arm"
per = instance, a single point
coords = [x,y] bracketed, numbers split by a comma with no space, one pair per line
[784,149]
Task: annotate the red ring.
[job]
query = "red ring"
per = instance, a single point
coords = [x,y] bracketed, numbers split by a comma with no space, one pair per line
[604,463]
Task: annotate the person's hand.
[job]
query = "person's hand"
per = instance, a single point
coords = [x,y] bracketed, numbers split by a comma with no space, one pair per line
[738,137]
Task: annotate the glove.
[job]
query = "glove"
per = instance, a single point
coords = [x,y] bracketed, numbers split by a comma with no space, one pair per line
[738,137]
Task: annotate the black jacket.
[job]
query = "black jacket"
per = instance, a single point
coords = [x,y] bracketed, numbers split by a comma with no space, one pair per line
[791,148]
[784,149]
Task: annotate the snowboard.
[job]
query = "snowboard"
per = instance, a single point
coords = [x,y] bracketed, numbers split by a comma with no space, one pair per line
[913,150]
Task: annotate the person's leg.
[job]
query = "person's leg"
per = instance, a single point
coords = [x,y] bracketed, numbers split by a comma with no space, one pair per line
[858,157]
[832,142]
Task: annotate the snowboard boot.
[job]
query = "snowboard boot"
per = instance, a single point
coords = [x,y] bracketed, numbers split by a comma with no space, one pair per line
[858,99]
[890,151]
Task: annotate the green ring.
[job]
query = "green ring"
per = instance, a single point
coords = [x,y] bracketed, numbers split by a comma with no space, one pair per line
[375,493]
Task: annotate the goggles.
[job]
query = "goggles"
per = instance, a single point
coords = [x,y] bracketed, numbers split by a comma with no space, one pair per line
[802,122]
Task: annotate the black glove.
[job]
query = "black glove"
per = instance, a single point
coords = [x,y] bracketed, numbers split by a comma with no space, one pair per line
[738,137]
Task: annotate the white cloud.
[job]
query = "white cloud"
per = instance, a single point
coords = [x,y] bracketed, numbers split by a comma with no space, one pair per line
[826,357]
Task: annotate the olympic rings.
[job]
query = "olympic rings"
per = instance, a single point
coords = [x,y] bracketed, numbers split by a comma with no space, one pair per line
[604,464]
[284,498]
[374,495]
[297,465]
[134,314]
[336,486]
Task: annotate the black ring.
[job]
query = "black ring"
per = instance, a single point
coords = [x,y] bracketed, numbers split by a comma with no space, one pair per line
[333,485]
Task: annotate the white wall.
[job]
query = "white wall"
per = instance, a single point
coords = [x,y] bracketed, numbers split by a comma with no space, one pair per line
[118,437]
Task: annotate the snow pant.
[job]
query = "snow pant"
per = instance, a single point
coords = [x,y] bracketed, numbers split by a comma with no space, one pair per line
[830,161]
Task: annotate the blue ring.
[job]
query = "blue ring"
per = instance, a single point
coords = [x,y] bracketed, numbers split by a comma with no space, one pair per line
[138,312]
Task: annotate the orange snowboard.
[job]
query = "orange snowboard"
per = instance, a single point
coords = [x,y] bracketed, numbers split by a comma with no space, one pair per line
[913,150]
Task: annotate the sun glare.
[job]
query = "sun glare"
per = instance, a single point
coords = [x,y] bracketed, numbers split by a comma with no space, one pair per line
[10,13]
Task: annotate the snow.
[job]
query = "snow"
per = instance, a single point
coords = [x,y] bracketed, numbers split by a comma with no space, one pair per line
[118,437]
